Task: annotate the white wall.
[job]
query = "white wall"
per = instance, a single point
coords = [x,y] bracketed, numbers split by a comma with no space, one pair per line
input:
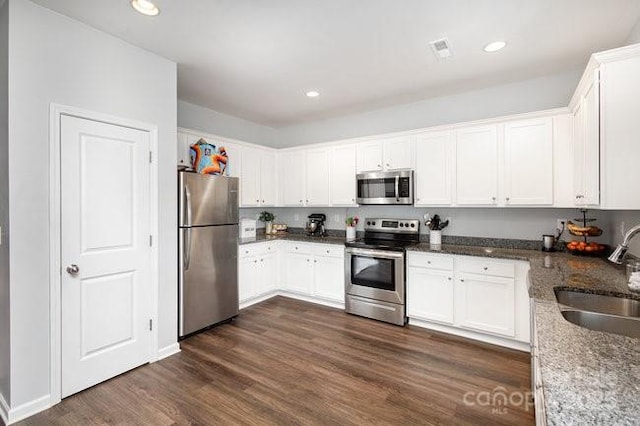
[4,205]
[634,37]
[209,121]
[525,96]
[621,221]
[512,223]
[53,58]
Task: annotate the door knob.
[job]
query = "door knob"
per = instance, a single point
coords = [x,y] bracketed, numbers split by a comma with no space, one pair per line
[73,269]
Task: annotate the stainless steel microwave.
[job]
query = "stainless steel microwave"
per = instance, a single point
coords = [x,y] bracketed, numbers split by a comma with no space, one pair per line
[385,187]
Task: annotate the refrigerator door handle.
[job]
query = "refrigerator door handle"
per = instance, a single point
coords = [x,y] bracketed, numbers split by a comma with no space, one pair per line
[187,248]
[187,195]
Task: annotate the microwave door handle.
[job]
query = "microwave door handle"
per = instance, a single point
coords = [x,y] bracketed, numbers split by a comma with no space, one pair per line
[398,189]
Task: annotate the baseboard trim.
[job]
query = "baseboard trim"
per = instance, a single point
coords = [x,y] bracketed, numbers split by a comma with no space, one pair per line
[28,409]
[312,299]
[486,338]
[167,351]
[4,410]
[258,299]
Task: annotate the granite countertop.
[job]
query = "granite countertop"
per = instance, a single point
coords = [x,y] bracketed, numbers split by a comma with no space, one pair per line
[588,377]
[287,236]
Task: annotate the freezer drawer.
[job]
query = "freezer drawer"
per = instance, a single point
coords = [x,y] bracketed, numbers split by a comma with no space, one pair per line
[207,200]
[208,279]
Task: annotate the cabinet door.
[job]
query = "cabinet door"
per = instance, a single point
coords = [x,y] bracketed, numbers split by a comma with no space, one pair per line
[250,178]
[434,159]
[267,273]
[299,273]
[591,150]
[317,174]
[477,166]
[486,303]
[247,274]
[398,153]
[234,159]
[293,178]
[268,178]
[183,150]
[370,156]
[528,162]
[430,295]
[343,176]
[329,278]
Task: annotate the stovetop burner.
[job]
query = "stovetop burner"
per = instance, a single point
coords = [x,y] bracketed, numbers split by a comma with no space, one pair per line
[388,234]
[380,244]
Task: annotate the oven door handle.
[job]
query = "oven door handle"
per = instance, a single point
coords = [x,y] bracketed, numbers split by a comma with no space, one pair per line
[375,253]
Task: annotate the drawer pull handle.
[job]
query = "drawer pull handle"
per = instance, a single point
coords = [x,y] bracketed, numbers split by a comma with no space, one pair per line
[461,280]
[485,268]
[428,262]
[449,278]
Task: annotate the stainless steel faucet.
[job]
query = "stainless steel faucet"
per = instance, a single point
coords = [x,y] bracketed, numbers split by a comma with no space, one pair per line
[620,252]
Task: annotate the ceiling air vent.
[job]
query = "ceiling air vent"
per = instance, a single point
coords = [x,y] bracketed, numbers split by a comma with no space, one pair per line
[441,48]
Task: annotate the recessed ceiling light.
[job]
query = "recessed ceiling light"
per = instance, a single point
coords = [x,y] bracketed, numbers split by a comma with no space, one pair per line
[495,46]
[145,7]
[312,94]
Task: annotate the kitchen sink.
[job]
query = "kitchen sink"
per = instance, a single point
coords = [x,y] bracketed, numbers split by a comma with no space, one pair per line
[600,312]
[627,326]
[599,303]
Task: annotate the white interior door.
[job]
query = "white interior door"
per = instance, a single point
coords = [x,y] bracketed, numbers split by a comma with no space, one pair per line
[105,323]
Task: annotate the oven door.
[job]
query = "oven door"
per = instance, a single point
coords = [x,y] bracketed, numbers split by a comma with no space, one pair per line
[375,274]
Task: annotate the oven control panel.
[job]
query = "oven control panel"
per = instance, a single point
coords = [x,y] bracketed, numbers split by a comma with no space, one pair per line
[405,226]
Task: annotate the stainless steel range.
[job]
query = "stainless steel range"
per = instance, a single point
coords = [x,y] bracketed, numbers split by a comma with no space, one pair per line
[375,269]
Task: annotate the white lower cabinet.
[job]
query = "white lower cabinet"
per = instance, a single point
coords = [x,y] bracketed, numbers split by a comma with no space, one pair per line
[485,299]
[257,270]
[486,303]
[312,271]
[430,290]
[315,270]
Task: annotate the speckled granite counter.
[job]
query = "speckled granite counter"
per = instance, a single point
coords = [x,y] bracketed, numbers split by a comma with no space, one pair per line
[588,377]
[294,237]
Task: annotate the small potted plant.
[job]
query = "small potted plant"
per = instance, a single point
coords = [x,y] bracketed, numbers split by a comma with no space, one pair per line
[267,218]
[351,222]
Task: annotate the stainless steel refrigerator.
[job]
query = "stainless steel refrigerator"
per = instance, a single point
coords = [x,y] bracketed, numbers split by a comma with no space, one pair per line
[208,250]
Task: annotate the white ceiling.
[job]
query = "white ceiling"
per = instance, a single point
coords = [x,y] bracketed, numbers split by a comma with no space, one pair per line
[255,59]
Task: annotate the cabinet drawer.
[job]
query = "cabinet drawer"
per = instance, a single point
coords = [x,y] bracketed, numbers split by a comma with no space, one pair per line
[294,247]
[330,250]
[486,267]
[430,261]
[248,250]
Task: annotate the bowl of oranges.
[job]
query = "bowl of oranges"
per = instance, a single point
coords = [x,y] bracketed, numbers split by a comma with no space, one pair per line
[583,248]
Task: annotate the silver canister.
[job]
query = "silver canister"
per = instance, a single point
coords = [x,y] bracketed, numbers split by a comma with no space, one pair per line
[548,242]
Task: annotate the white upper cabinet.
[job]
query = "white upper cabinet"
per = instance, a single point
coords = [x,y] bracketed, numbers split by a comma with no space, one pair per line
[250,178]
[305,177]
[477,165]
[586,146]
[620,103]
[370,156]
[268,178]
[317,172]
[528,162]
[398,153]
[293,178]
[434,169]
[258,178]
[343,175]
[386,154]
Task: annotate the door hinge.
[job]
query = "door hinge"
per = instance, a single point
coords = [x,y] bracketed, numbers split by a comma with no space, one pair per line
[151,156]
[150,240]
[150,324]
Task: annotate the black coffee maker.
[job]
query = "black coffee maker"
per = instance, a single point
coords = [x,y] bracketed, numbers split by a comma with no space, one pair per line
[315,225]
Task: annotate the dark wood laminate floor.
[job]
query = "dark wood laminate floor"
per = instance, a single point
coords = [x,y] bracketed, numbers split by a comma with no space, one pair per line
[290,362]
